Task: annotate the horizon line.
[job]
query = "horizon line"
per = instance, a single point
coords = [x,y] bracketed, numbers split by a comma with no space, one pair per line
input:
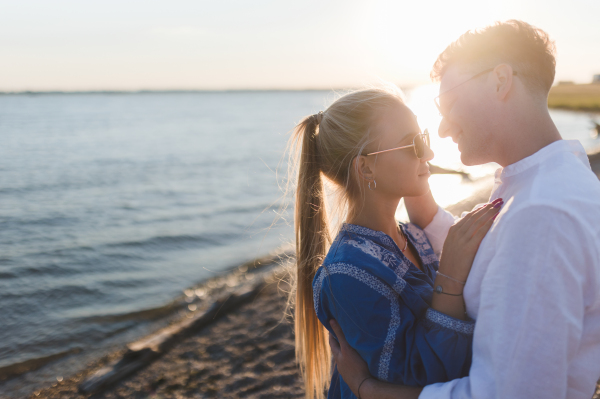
[141,91]
[230,90]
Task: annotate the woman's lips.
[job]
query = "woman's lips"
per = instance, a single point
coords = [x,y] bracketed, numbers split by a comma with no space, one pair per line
[425,173]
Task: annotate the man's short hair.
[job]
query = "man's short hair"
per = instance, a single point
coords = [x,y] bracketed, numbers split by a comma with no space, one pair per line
[526,48]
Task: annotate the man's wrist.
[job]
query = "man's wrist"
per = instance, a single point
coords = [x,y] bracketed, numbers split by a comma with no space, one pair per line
[367,390]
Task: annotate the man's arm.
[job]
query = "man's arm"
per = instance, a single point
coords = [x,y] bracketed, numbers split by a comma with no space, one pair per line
[530,316]
[357,375]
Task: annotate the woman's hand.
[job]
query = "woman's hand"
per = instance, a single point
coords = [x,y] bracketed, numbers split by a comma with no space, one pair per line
[350,365]
[464,238]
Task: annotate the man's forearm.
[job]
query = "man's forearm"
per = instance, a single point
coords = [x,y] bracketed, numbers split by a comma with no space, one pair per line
[374,389]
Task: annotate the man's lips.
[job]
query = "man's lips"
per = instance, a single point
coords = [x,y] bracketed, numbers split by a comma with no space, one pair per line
[425,172]
[456,137]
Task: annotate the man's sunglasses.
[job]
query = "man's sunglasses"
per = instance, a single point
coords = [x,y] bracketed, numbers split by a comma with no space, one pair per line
[420,141]
[436,100]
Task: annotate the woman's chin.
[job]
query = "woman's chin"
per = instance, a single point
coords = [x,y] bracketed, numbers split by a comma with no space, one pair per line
[424,183]
[420,190]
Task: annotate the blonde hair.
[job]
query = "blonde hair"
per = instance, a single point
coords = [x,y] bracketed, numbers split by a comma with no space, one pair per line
[526,48]
[324,145]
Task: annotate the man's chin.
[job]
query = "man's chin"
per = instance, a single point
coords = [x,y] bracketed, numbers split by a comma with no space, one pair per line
[468,159]
[465,161]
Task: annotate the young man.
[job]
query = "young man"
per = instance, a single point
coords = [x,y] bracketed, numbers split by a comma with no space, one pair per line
[534,287]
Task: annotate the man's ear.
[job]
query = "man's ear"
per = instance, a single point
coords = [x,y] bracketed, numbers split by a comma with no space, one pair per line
[362,167]
[503,80]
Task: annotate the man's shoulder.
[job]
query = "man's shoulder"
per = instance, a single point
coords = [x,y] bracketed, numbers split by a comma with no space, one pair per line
[566,183]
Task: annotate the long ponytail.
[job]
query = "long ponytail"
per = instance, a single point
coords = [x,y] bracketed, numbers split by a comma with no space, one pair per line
[323,146]
[312,241]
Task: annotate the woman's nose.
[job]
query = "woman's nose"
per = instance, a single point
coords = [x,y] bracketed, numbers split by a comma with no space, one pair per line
[427,155]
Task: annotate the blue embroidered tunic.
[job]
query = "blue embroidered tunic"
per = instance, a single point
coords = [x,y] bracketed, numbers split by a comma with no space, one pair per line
[382,303]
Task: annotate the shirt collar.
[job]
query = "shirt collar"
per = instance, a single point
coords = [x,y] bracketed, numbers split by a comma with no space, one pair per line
[378,236]
[572,146]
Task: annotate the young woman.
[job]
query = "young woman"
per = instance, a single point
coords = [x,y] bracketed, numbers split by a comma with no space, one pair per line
[377,277]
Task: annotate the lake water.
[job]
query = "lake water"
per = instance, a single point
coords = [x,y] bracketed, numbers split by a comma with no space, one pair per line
[115,203]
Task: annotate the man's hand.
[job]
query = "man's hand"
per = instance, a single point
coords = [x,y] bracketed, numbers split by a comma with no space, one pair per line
[354,371]
[350,365]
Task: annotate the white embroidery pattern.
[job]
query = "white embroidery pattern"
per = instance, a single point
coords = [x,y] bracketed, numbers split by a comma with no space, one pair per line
[365,231]
[429,258]
[418,234]
[375,284]
[399,285]
[379,253]
[398,266]
[449,322]
[415,232]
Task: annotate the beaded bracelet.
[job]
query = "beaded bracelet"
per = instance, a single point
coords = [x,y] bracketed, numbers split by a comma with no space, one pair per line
[450,278]
[440,290]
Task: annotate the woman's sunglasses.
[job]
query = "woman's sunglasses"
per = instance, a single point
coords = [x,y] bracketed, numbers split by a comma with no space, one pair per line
[420,141]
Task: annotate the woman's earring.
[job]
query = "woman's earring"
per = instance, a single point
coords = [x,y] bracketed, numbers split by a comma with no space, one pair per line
[374,185]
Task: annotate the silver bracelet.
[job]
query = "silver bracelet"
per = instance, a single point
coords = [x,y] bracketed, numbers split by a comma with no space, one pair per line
[450,278]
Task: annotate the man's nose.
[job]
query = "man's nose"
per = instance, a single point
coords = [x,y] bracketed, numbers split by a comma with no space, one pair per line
[444,129]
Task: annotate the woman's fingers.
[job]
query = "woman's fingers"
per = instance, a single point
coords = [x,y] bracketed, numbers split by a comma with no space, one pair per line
[479,234]
[475,216]
[482,219]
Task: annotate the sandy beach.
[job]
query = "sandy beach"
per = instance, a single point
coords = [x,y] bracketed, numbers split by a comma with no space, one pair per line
[246,353]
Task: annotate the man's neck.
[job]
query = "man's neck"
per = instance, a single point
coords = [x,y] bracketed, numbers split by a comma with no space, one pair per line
[528,135]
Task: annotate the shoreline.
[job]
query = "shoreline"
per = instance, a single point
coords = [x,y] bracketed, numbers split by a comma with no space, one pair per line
[246,380]
[16,378]
[248,352]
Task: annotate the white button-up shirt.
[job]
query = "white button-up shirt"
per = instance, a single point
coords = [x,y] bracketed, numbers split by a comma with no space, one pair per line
[534,288]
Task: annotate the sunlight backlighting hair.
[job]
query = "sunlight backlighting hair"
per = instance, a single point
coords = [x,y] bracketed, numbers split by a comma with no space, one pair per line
[529,50]
[322,149]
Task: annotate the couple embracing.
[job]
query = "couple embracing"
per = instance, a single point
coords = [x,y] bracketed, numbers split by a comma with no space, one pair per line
[501,303]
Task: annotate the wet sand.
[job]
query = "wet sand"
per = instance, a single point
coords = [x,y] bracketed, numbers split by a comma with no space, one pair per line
[248,353]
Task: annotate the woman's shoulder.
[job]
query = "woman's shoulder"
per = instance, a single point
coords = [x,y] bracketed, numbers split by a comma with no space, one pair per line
[359,249]
[358,259]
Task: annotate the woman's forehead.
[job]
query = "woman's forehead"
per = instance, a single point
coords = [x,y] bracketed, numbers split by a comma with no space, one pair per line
[397,122]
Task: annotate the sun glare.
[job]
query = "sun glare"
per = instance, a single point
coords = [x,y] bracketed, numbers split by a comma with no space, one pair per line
[406,37]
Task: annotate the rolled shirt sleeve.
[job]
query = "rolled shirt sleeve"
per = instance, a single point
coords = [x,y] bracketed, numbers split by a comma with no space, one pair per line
[530,316]
[437,230]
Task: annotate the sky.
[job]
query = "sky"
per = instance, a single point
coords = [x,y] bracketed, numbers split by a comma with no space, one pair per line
[263,44]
